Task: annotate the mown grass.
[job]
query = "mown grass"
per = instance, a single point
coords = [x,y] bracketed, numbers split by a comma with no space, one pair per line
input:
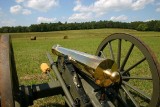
[30,54]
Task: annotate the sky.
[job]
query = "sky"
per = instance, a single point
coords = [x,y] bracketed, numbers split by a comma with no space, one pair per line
[27,12]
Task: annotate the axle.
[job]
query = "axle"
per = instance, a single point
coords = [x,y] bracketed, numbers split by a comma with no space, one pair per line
[103,71]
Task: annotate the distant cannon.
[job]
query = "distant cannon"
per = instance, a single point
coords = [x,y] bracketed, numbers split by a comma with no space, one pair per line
[124,72]
[33,38]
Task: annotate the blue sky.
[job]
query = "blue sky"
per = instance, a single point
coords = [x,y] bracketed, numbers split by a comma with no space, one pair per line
[27,12]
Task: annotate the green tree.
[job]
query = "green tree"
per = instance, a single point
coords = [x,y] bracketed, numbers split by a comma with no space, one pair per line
[134,25]
[157,26]
[151,24]
[142,27]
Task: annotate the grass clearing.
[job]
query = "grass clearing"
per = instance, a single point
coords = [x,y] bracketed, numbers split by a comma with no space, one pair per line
[30,54]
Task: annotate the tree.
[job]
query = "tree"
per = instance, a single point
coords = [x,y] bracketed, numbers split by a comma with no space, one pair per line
[151,25]
[157,26]
[134,25]
[142,27]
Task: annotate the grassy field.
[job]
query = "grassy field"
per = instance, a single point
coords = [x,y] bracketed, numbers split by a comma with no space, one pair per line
[30,54]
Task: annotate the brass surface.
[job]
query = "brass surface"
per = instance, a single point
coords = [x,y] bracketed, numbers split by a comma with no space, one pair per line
[103,71]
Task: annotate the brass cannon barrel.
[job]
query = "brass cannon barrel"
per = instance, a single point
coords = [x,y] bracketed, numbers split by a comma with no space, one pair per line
[103,71]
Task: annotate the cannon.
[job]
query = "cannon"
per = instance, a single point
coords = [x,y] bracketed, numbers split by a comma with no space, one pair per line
[124,72]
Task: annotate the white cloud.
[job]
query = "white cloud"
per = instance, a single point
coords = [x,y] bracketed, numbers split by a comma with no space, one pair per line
[100,7]
[113,5]
[19,1]
[45,20]
[103,6]
[79,17]
[119,18]
[42,5]
[158,9]
[79,7]
[26,12]
[140,4]
[16,9]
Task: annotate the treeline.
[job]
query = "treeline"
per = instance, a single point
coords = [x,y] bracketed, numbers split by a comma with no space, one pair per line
[153,25]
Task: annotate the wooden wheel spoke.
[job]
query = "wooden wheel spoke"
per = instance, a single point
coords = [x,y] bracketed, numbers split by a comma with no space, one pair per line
[140,78]
[130,96]
[137,90]
[111,51]
[122,98]
[119,52]
[133,66]
[102,54]
[127,56]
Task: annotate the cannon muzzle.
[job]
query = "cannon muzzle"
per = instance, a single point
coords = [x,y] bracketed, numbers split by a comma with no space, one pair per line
[103,71]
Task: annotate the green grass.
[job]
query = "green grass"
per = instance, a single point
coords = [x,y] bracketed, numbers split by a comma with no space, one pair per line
[30,54]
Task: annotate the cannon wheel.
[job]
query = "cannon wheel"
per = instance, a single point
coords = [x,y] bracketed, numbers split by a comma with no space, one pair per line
[139,70]
[9,85]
